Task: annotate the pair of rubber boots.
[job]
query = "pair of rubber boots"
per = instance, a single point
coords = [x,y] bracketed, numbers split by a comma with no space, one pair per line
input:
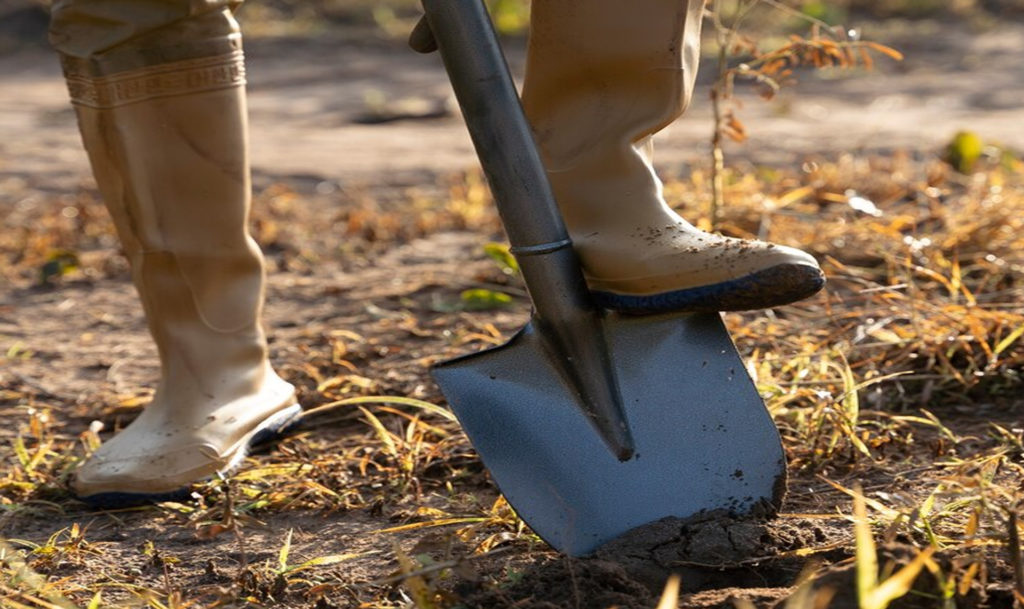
[162,114]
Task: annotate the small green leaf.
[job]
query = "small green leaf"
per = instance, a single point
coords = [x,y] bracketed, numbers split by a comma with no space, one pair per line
[1008,340]
[484,300]
[58,264]
[509,16]
[964,150]
[21,451]
[500,253]
[282,556]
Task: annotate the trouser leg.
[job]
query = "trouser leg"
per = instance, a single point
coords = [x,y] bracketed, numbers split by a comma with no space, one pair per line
[602,77]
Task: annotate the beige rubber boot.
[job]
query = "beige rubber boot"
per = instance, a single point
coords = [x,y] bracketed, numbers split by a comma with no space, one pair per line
[601,78]
[168,147]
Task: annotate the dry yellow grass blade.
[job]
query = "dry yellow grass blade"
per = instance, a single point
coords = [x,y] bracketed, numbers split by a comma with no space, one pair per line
[886,511]
[870,593]
[811,516]
[866,554]
[670,595]
[897,585]
[265,471]
[402,401]
[323,561]
[885,50]
[282,555]
[94,603]
[442,522]
[422,594]
[1008,340]
[804,552]
[383,434]
[31,586]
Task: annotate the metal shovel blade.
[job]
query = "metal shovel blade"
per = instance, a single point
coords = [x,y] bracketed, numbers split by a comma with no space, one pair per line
[703,438]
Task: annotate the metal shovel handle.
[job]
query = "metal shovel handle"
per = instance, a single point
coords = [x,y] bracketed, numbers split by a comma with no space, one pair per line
[564,310]
[504,142]
[489,100]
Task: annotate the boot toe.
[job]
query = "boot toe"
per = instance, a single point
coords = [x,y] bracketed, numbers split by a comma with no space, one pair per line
[159,472]
[734,276]
[136,467]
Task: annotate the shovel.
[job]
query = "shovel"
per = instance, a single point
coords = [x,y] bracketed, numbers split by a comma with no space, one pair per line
[591,423]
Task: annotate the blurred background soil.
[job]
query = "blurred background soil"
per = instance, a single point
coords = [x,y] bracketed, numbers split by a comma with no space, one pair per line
[342,98]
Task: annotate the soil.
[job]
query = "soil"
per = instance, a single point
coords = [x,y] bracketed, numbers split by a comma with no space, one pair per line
[352,107]
[315,132]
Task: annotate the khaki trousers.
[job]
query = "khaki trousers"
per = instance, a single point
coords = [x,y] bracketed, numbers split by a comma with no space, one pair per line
[159,31]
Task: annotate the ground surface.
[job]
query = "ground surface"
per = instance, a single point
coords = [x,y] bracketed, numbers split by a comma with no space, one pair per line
[374,229]
[310,99]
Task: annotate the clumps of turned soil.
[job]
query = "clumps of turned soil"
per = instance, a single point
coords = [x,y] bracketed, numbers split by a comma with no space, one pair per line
[714,551]
[720,557]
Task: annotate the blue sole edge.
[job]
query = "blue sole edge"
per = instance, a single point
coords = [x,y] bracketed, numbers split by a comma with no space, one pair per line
[772,287]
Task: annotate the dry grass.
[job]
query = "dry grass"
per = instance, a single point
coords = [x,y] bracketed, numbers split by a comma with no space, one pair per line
[890,378]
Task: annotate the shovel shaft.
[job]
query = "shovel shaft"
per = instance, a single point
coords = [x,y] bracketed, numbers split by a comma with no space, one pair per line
[504,142]
[564,311]
[500,131]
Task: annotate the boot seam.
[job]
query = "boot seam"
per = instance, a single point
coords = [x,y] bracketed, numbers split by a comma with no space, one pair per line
[167,80]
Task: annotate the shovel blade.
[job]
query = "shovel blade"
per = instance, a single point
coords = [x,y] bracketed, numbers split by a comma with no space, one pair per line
[704,440]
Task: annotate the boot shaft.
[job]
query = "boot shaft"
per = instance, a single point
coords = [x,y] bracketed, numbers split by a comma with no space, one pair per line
[168,145]
[600,79]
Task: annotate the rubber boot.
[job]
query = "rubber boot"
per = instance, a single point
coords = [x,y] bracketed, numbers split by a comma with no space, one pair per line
[168,146]
[601,79]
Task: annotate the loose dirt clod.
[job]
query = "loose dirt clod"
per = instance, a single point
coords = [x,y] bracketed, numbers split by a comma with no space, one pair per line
[714,549]
[719,556]
[588,582]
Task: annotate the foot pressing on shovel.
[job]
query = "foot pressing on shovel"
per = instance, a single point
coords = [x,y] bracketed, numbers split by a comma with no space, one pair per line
[599,83]
[594,423]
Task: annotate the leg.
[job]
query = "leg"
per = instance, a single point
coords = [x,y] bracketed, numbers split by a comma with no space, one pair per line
[159,94]
[601,79]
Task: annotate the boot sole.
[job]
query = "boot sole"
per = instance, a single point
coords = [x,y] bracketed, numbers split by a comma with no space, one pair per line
[272,429]
[771,287]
